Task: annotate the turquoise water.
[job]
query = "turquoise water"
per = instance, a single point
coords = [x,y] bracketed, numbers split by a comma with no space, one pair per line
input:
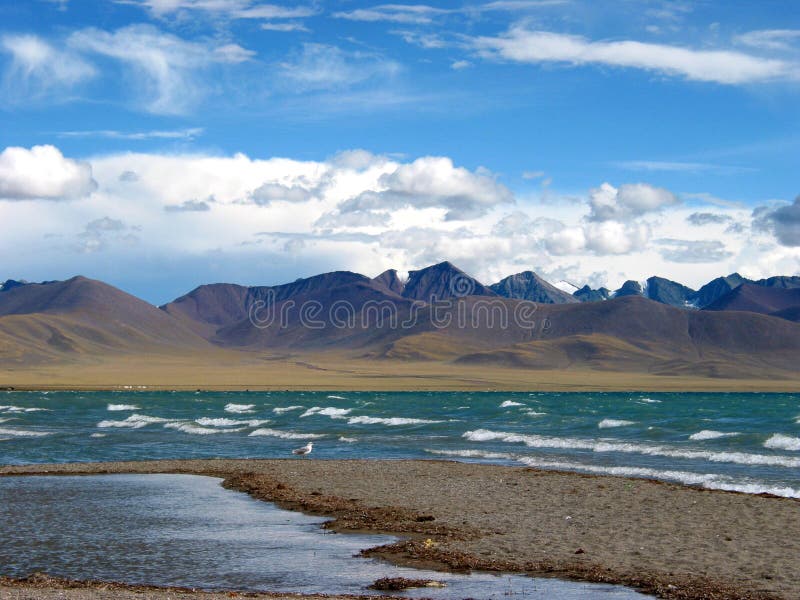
[744,442]
[184,530]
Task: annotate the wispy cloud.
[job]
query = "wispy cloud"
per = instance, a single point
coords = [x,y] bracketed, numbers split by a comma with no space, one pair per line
[285,27]
[37,68]
[421,14]
[719,66]
[231,9]
[164,134]
[770,39]
[680,167]
[323,67]
[164,64]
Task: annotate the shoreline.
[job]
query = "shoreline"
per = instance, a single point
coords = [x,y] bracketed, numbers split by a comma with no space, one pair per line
[664,539]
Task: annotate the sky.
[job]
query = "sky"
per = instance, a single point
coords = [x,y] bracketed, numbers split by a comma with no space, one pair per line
[162,144]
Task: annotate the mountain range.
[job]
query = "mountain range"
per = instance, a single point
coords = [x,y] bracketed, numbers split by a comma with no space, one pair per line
[731,327]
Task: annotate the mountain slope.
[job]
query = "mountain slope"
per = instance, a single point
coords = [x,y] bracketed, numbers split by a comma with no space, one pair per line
[529,286]
[84,317]
[758,299]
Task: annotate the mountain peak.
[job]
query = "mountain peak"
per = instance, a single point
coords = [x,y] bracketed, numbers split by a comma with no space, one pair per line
[442,281]
[527,285]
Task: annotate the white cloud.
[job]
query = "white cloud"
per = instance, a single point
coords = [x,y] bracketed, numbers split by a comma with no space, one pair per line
[36,67]
[323,67]
[719,66]
[783,221]
[203,218]
[628,201]
[433,182]
[43,173]
[285,27]
[423,14]
[770,39]
[232,9]
[156,134]
[164,65]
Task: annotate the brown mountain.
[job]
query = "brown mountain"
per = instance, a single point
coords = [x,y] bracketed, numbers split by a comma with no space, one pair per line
[756,298]
[529,286]
[82,317]
[442,281]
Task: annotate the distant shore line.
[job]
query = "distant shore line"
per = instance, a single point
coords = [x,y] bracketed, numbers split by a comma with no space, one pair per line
[395,497]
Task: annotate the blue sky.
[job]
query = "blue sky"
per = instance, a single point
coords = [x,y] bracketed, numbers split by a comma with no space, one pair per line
[159,144]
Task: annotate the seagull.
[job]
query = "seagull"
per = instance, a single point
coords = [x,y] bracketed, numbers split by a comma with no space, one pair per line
[304,450]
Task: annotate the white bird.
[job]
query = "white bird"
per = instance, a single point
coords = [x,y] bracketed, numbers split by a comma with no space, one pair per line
[304,450]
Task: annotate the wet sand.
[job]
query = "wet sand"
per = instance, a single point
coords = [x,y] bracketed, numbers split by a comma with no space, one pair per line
[669,540]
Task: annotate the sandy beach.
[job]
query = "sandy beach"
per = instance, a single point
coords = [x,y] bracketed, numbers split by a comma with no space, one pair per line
[669,540]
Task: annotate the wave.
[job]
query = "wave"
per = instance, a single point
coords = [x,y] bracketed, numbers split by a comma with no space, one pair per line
[223,422]
[98,435]
[533,413]
[540,441]
[391,421]
[10,408]
[118,407]
[706,480]
[328,411]
[510,403]
[710,434]
[194,429]
[279,410]
[239,408]
[649,400]
[609,423]
[23,432]
[286,435]
[349,440]
[336,398]
[135,421]
[783,442]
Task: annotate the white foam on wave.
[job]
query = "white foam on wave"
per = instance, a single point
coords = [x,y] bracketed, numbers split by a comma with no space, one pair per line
[609,423]
[239,408]
[6,419]
[510,403]
[540,441]
[135,421]
[196,430]
[783,442]
[533,413]
[10,408]
[98,435]
[710,434]
[22,432]
[349,440]
[119,407]
[336,398]
[328,411]
[286,435]
[223,422]
[649,400]
[391,421]
[707,480]
[279,410]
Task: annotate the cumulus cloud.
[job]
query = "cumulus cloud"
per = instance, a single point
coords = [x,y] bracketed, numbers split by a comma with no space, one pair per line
[43,173]
[693,251]
[433,182]
[98,234]
[628,201]
[165,65]
[267,193]
[191,206]
[783,222]
[701,219]
[523,45]
[36,67]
